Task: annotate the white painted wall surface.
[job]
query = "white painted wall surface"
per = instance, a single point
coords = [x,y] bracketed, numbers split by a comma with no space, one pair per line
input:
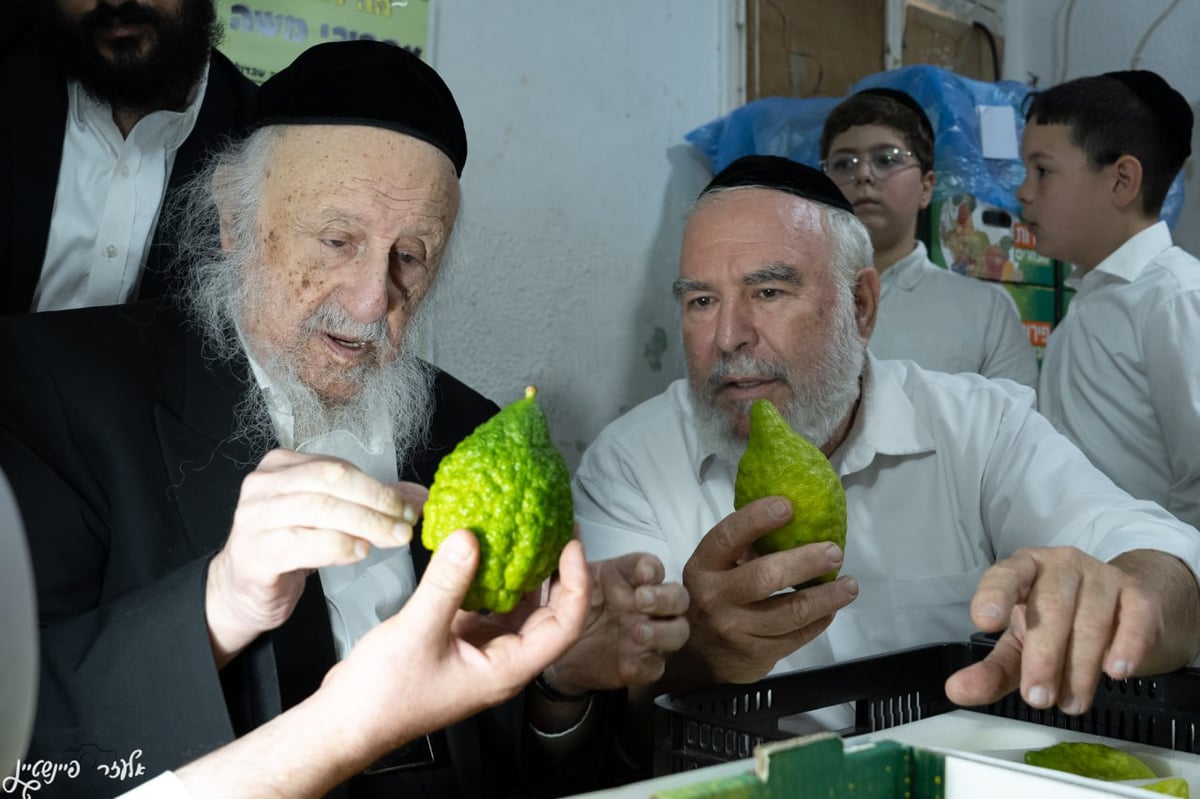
[1061,39]
[576,183]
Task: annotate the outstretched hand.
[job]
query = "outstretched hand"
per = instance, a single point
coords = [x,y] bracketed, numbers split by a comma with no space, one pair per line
[1071,618]
[416,672]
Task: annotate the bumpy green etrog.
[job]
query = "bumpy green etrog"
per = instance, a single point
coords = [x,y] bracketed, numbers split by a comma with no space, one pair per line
[508,484]
[780,462]
[1098,761]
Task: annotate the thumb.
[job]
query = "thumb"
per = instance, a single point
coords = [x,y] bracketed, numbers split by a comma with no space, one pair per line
[446,580]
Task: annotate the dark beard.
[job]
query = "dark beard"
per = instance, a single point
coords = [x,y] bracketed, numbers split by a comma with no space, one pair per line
[158,79]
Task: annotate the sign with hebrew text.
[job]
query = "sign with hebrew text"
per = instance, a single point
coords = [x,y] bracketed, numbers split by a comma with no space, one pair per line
[263,36]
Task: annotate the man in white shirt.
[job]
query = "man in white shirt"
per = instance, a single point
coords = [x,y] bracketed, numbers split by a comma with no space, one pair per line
[120,103]
[965,509]
[1121,377]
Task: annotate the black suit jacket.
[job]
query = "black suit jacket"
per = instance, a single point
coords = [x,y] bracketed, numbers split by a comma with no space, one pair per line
[115,432]
[31,138]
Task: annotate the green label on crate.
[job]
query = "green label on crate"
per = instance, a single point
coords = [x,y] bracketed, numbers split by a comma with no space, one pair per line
[817,766]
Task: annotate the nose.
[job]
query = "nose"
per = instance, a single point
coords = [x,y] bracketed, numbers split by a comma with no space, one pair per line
[862,172]
[1023,190]
[365,293]
[735,328]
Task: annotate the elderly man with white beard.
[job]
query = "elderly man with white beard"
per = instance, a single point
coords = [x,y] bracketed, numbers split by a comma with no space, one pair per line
[220,497]
[965,509]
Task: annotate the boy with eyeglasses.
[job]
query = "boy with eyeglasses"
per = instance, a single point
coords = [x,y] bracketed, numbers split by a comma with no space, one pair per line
[877,146]
[1121,377]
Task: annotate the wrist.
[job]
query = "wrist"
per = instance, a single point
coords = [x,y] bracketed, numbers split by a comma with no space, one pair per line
[550,687]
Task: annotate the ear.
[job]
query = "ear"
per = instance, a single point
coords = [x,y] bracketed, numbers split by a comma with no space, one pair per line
[927,181]
[866,301]
[1127,181]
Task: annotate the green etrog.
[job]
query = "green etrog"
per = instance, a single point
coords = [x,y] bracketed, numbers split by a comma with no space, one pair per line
[508,484]
[780,462]
[1099,761]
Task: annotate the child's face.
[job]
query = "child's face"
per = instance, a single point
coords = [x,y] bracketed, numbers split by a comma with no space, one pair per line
[1063,198]
[887,205]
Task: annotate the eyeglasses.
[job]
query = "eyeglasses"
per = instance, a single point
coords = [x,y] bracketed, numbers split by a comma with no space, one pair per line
[882,163]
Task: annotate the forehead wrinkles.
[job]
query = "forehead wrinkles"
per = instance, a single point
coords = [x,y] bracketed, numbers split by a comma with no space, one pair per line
[433,200]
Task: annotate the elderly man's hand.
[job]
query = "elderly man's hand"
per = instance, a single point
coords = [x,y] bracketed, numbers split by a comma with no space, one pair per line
[740,624]
[633,622]
[297,513]
[1071,618]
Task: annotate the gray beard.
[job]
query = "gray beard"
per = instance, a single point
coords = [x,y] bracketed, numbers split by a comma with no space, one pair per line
[820,399]
[400,391]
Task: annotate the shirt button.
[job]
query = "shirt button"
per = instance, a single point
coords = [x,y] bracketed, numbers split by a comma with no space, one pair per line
[123,171]
[111,251]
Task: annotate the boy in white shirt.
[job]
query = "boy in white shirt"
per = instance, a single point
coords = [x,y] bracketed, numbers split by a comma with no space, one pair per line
[877,146]
[1120,376]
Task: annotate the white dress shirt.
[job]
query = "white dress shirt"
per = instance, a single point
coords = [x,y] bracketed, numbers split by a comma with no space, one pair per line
[951,323]
[1121,374]
[106,206]
[359,595]
[944,475]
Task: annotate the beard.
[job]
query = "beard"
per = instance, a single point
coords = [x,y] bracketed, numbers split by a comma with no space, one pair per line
[820,399]
[158,76]
[397,390]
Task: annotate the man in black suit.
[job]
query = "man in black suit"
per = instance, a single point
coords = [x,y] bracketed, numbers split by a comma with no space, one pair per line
[190,586]
[114,106]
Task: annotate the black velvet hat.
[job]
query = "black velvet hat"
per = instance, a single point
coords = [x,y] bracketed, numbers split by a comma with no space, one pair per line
[781,174]
[1163,101]
[365,82]
[908,101]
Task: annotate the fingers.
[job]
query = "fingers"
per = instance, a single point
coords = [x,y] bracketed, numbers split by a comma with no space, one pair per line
[1071,617]
[443,586]
[1002,586]
[790,612]
[296,490]
[570,603]
[724,544]
[661,600]
[991,678]
[759,578]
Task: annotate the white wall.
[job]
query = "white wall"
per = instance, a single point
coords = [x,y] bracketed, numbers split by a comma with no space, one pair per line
[1056,40]
[576,182]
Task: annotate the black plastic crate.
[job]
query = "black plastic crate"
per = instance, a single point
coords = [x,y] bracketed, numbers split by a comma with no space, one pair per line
[725,722]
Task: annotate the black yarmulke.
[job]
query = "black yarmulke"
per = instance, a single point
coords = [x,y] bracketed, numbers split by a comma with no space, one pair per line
[1163,101]
[782,174]
[363,82]
[908,101]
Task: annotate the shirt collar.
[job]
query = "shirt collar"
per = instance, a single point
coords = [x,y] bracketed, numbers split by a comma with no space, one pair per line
[907,272]
[170,127]
[1127,261]
[278,405]
[886,422]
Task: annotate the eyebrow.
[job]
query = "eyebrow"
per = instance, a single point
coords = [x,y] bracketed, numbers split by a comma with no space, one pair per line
[772,273]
